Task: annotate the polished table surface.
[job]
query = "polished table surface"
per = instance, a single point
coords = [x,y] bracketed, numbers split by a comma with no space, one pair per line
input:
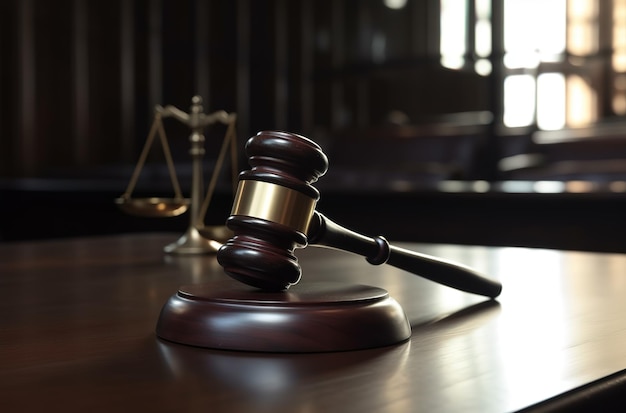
[78,317]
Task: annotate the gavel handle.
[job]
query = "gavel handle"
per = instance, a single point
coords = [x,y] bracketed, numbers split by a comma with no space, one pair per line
[326,233]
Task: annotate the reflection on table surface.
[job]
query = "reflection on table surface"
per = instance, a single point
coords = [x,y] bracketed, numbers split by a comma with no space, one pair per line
[78,319]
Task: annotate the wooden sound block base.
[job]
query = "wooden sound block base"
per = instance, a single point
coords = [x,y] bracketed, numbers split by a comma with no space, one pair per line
[314,317]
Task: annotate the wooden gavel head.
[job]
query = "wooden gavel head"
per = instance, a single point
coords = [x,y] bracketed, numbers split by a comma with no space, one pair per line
[272,210]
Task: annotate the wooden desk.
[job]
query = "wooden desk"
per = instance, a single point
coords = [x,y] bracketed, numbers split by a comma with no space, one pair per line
[78,316]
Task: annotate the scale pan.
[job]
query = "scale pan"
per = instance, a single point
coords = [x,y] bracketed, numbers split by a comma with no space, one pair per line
[153,207]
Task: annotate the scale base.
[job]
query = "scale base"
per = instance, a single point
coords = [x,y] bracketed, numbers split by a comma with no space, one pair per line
[192,242]
[315,317]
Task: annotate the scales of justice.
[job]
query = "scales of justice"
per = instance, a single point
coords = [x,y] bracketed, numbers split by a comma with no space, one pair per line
[198,238]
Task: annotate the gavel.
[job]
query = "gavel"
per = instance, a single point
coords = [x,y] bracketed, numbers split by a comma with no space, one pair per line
[274,213]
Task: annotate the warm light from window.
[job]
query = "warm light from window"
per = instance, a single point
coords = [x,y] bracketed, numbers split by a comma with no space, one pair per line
[582,33]
[551,101]
[395,4]
[619,94]
[537,33]
[619,104]
[526,47]
[619,35]
[619,57]
[581,102]
[582,40]
[482,37]
[483,67]
[453,33]
[519,100]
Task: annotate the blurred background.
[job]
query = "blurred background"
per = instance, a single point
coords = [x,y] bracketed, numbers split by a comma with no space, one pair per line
[493,122]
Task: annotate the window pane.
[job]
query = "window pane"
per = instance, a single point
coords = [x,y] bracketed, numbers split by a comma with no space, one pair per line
[582,27]
[551,101]
[453,33]
[619,95]
[519,100]
[483,38]
[395,4]
[619,35]
[581,102]
[483,8]
[482,31]
[534,30]
[483,67]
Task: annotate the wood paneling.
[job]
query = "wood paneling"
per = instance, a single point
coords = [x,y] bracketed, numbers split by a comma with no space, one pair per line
[80,79]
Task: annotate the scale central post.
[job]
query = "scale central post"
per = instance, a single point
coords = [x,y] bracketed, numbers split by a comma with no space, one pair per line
[193,241]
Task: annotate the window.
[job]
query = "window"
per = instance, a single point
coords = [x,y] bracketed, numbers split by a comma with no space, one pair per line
[619,57]
[482,37]
[554,70]
[453,38]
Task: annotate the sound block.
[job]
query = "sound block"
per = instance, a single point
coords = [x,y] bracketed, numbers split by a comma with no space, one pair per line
[313,317]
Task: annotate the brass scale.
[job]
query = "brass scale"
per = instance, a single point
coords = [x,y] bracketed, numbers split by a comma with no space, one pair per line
[198,238]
